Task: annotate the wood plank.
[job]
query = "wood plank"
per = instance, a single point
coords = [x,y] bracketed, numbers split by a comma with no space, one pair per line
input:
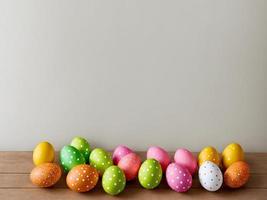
[130,193]
[23,181]
[21,162]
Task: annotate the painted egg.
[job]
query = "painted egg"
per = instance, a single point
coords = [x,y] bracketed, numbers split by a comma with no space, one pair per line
[210,176]
[130,165]
[100,159]
[82,178]
[45,175]
[119,153]
[178,177]
[83,146]
[113,180]
[70,157]
[43,153]
[186,159]
[160,155]
[209,154]
[150,174]
[231,154]
[237,175]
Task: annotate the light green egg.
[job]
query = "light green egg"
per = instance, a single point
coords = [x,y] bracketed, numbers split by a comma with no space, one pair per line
[113,180]
[70,157]
[100,159]
[83,146]
[150,174]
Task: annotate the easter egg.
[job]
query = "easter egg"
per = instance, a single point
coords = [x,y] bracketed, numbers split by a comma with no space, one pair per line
[46,174]
[70,157]
[100,159]
[160,155]
[113,180]
[178,178]
[209,154]
[150,174]
[83,146]
[186,159]
[210,176]
[130,165]
[43,153]
[232,153]
[82,178]
[237,174]
[119,153]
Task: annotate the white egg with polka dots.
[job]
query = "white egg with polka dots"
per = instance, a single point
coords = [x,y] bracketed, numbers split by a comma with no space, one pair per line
[210,176]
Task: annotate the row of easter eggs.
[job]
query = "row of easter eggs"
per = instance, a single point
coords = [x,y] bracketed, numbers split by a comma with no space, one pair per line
[84,167]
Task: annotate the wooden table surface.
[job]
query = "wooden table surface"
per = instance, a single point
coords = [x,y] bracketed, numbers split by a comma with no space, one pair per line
[15,184]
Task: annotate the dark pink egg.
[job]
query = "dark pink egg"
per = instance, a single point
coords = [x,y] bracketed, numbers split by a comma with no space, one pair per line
[178,178]
[160,155]
[130,165]
[119,153]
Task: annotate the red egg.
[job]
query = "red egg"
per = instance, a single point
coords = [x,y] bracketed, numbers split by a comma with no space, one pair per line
[82,178]
[45,175]
[160,155]
[130,165]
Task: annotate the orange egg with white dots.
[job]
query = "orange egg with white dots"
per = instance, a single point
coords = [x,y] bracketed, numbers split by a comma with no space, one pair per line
[237,174]
[82,178]
[46,175]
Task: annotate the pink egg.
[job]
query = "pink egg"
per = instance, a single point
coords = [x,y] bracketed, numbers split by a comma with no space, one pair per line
[160,155]
[120,152]
[178,178]
[130,165]
[186,159]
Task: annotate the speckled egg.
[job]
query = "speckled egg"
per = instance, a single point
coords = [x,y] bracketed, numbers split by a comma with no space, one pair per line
[119,153]
[83,146]
[186,159]
[210,176]
[130,165]
[178,178]
[209,154]
[43,153]
[231,154]
[237,175]
[150,174]
[82,178]
[113,180]
[100,159]
[160,155]
[70,157]
[45,175]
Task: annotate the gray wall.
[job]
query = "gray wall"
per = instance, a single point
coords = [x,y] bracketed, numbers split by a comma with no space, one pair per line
[170,73]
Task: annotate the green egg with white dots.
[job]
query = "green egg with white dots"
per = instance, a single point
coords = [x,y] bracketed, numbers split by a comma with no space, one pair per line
[150,174]
[70,157]
[113,180]
[100,159]
[83,146]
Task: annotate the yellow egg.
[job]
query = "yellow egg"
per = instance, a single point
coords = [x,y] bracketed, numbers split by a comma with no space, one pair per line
[209,154]
[232,153]
[43,153]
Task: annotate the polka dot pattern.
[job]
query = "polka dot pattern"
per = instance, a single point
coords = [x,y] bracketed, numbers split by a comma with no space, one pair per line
[150,174]
[113,180]
[231,154]
[178,178]
[237,175]
[130,165]
[209,154]
[101,160]
[210,176]
[45,175]
[83,146]
[82,178]
[119,153]
[70,157]
[160,155]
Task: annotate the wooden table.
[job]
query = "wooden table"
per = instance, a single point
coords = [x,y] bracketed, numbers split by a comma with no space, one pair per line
[15,184]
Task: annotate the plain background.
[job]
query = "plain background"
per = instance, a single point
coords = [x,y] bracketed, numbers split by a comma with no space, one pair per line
[140,73]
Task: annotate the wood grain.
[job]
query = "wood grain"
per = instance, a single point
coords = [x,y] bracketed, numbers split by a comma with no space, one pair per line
[15,184]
